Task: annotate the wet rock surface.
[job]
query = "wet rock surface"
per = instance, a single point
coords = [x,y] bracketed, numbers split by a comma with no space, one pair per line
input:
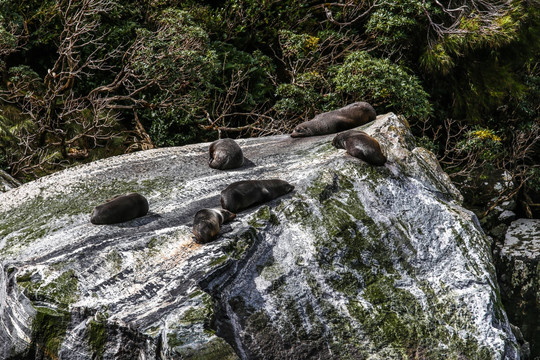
[358,261]
[518,265]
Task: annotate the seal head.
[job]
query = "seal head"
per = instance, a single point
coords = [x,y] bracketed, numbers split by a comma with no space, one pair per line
[207,223]
[225,154]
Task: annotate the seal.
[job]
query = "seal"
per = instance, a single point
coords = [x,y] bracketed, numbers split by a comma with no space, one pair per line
[332,122]
[119,209]
[241,195]
[207,223]
[360,145]
[225,154]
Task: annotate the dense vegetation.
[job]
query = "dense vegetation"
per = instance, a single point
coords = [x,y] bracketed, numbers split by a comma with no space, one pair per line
[85,79]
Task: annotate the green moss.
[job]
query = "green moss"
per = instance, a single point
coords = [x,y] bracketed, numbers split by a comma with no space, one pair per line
[152,243]
[173,341]
[48,331]
[195,294]
[263,217]
[259,320]
[298,211]
[327,184]
[218,260]
[396,318]
[199,314]
[360,263]
[239,245]
[97,336]
[61,291]
[195,315]
[215,349]
[270,270]
[24,279]
[115,260]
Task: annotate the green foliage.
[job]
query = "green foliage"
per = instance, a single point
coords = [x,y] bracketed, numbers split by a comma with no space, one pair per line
[251,71]
[533,179]
[427,143]
[298,45]
[483,142]
[178,43]
[12,123]
[7,40]
[308,60]
[25,78]
[296,99]
[255,23]
[477,62]
[178,58]
[396,24]
[382,83]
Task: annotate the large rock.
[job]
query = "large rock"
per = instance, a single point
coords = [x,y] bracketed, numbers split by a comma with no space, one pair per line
[519,268]
[358,261]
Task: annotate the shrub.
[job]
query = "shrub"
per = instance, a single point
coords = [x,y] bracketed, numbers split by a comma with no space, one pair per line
[385,85]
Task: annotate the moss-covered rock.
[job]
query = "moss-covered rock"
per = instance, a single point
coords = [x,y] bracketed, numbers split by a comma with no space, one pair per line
[357,262]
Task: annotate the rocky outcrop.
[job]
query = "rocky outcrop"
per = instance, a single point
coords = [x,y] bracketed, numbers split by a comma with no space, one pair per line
[358,261]
[519,268]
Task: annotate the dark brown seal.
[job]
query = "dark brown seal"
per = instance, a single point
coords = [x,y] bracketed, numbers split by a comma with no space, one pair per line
[225,154]
[360,145]
[207,223]
[241,195]
[332,122]
[119,209]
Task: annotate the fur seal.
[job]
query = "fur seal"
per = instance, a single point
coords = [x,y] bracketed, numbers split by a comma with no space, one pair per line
[331,122]
[207,223]
[119,209]
[225,154]
[360,145]
[241,195]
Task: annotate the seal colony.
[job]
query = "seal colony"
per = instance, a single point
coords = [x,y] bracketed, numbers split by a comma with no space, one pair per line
[226,154]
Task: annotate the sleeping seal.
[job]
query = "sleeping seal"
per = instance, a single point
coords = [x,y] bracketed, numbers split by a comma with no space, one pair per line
[207,223]
[241,195]
[331,122]
[119,209]
[360,145]
[225,154]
